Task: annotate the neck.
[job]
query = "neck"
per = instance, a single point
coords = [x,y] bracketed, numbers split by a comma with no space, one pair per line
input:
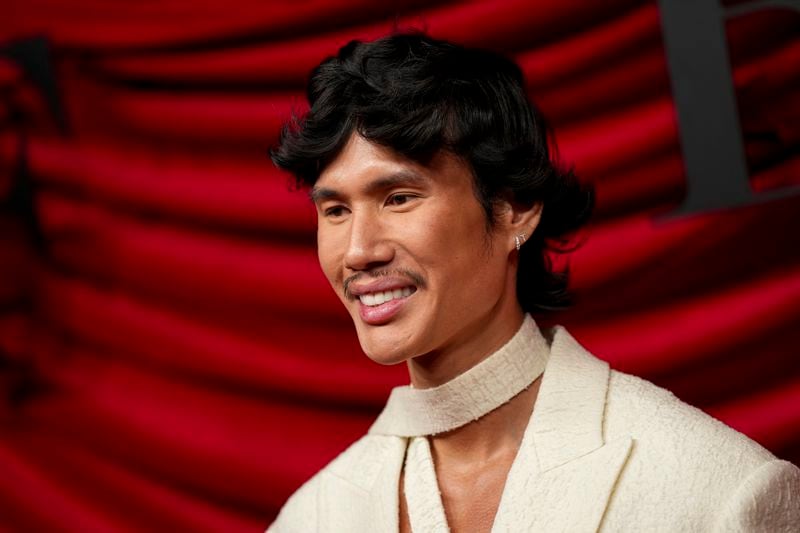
[476,342]
[493,437]
[506,376]
[498,434]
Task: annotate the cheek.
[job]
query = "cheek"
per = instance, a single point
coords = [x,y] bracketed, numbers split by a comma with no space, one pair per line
[453,247]
[329,255]
[476,256]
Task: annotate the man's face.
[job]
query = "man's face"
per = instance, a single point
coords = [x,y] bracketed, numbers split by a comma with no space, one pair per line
[406,248]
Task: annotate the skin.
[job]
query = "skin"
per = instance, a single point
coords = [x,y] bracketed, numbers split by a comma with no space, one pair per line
[385,219]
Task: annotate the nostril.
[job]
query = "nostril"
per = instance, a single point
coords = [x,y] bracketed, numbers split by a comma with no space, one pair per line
[371,258]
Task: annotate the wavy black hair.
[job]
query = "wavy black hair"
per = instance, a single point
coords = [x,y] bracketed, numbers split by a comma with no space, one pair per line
[418,95]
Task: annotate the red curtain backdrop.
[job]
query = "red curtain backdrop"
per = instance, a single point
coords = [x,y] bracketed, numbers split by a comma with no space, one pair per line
[171,357]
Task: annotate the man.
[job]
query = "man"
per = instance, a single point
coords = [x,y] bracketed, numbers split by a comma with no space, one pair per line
[437,207]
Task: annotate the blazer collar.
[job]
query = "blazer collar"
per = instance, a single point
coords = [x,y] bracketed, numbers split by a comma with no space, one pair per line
[567,420]
[346,506]
[564,472]
[384,497]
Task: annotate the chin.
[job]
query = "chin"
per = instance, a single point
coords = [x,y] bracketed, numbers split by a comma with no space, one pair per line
[384,351]
[383,354]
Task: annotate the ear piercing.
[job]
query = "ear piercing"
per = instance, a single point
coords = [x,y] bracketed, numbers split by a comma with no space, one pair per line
[519,240]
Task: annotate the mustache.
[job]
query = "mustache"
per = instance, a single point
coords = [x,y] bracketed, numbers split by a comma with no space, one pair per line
[417,279]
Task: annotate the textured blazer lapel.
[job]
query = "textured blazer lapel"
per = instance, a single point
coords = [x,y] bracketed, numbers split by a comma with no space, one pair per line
[570,497]
[346,506]
[567,421]
[564,473]
[341,505]
[383,511]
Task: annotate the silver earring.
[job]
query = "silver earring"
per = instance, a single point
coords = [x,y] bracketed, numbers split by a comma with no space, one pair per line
[519,240]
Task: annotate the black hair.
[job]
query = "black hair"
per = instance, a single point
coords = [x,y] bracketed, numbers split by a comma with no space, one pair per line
[418,95]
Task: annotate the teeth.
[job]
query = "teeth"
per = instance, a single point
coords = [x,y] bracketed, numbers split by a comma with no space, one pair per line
[378,298]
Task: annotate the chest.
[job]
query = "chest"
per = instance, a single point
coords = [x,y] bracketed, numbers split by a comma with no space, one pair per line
[469,494]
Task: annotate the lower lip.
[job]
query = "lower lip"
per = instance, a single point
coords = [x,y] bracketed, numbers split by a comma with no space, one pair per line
[377,315]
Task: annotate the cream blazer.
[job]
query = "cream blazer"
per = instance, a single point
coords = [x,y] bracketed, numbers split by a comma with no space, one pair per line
[603,451]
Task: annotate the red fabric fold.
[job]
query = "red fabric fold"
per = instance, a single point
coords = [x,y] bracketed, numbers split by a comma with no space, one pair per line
[171,355]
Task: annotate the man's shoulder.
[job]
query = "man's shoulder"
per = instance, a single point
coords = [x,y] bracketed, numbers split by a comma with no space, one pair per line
[354,470]
[655,416]
[361,462]
[686,461]
[657,420]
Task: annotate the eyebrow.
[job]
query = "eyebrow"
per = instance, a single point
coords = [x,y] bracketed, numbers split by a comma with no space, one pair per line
[402,177]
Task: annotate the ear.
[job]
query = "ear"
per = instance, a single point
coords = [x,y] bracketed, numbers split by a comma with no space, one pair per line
[521,220]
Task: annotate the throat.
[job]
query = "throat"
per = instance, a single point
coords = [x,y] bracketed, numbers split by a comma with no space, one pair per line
[485,389]
[472,463]
[492,439]
[471,499]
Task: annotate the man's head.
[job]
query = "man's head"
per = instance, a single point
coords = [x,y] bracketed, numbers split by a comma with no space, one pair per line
[426,161]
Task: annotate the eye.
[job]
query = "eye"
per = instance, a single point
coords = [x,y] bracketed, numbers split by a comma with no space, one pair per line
[399,199]
[335,211]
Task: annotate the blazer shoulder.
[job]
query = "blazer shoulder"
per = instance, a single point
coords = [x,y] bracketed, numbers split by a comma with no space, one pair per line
[300,512]
[653,415]
[357,466]
[767,500]
[690,470]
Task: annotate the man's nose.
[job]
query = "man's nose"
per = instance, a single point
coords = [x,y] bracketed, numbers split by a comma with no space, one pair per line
[367,247]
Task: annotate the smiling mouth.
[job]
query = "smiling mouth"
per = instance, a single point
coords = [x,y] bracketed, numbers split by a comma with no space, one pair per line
[374,299]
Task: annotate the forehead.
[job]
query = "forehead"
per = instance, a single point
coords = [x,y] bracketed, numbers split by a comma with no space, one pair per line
[361,164]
